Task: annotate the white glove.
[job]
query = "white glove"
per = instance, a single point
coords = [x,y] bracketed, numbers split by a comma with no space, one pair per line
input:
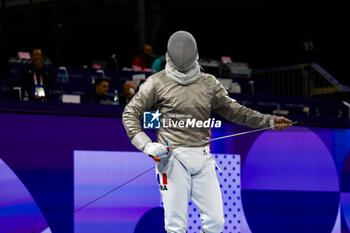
[155,149]
[142,142]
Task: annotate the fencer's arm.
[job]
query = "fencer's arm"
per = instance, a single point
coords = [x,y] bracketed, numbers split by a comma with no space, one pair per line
[232,111]
[144,99]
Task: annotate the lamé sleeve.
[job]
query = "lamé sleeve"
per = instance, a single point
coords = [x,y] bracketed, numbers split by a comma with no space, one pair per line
[234,112]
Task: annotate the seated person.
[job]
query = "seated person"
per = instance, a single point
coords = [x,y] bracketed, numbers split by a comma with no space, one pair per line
[145,59]
[35,79]
[98,93]
[129,90]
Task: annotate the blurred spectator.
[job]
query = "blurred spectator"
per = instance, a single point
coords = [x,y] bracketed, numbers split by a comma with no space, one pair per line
[129,90]
[36,79]
[145,59]
[98,93]
[158,64]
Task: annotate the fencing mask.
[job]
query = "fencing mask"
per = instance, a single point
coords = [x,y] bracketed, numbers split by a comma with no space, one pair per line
[182,50]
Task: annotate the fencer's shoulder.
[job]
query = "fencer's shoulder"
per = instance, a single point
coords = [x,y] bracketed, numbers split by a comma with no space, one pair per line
[209,78]
[154,79]
[157,77]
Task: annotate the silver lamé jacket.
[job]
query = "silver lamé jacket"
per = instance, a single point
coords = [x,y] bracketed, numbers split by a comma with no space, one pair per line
[177,103]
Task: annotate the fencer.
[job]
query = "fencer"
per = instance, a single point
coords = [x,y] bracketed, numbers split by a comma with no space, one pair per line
[182,92]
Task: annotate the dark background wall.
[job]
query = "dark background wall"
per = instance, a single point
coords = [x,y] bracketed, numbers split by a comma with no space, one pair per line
[262,33]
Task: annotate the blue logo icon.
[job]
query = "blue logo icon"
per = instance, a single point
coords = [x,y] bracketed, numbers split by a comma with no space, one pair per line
[151,120]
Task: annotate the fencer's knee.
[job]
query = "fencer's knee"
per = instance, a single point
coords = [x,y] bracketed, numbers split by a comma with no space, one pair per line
[215,225]
[220,224]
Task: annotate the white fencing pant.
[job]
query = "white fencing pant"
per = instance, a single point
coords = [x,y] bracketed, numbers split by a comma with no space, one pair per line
[190,173]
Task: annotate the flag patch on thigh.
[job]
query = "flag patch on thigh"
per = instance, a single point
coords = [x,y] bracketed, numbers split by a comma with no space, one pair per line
[162,181]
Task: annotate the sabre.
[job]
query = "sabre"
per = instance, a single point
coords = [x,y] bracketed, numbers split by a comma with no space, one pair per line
[146,171]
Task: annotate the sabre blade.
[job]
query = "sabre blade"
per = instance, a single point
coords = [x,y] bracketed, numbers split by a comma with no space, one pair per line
[232,135]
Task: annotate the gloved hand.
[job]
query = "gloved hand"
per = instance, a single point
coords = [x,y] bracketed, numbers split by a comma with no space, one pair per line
[155,149]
